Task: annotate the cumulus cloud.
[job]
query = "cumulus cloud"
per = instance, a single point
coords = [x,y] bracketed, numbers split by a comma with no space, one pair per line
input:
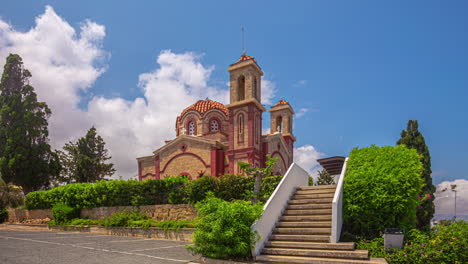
[445,199]
[63,63]
[306,156]
[268,91]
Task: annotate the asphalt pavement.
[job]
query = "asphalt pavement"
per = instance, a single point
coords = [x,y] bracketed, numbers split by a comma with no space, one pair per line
[48,247]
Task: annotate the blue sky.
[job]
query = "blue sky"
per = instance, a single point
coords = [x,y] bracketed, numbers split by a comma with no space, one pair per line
[361,69]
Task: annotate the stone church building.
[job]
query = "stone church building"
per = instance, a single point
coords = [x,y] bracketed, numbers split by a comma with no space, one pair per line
[212,137]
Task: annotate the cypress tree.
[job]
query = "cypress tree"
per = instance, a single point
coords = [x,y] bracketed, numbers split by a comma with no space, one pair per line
[26,158]
[324,178]
[412,138]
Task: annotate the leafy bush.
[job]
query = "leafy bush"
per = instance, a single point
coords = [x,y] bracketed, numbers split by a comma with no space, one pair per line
[224,228]
[3,215]
[172,190]
[196,190]
[63,213]
[166,225]
[444,244]
[381,190]
[123,219]
[83,222]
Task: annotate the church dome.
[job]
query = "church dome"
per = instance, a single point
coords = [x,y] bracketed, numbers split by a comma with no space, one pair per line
[203,106]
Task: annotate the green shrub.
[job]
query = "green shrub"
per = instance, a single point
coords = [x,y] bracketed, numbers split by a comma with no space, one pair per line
[176,224]
[268,186]
[196,190]
[381,190]
[63,213]
[83,222]
[233,187]
[224,230]
[123,219]
[3,215]
[444,244]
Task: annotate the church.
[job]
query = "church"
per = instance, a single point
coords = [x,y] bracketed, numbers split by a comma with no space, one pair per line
[211,138]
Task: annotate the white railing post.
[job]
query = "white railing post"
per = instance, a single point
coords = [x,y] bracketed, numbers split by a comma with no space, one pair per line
[337,206]
[276,204]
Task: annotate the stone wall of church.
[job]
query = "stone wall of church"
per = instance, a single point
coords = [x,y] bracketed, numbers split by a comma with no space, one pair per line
[276,148]
[147,167]
[187,157]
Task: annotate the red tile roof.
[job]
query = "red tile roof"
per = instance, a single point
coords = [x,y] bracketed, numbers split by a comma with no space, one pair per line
[282,102]
[203,106]
[245,57]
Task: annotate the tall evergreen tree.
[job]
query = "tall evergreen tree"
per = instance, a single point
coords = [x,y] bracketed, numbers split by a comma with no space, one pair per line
[412,138]
[85,159]
[26,158]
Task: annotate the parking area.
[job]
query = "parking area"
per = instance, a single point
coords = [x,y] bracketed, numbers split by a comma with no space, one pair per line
[41,247]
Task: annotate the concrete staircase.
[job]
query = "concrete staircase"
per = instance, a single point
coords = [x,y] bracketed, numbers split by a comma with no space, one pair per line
[303,233]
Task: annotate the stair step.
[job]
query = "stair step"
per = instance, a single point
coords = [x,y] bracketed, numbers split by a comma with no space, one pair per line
[317,187]
[313,200]
[310,245]
[312,196]
[351,254]
[305,218]
[304,231]
[315,191]
[310,260]
[309,212]
[310,206]
[304,224]
[300,238]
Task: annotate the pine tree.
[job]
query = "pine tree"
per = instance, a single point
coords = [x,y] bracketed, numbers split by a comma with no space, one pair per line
[324,178]
[85,160]
[412,138]
[26,158]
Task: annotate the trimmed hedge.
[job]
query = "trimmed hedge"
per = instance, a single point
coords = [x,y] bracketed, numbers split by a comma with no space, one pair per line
[381,190]
[171,190]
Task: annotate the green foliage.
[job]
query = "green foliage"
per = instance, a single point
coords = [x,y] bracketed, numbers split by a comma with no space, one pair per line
[196,190]
[258,174]
[107,193]
[11,196]
[325,178]
[166,225]
[26,158]
[444,244]
[83,222]
[123,219]
[63,213]
[412,138]
[3,215]
[173,190]
[85,159]
[381,190]
[224,228]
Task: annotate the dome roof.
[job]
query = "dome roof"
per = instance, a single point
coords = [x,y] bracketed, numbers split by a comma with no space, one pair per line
[203,106]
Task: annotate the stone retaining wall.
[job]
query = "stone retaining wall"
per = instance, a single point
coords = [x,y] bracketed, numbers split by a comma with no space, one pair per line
[160,212]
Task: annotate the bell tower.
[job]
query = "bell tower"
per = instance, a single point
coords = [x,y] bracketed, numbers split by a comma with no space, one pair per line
[245,113]
[281,121]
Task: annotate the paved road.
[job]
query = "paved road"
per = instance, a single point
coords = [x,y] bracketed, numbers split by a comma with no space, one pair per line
[47,247]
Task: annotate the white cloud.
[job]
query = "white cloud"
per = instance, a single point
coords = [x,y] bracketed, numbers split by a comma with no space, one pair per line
[302,112]
[66,63]
[306,156]
[300,83]
[63,63]
[445,200]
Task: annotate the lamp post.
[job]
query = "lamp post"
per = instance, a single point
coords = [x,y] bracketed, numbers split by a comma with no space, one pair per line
[453,188]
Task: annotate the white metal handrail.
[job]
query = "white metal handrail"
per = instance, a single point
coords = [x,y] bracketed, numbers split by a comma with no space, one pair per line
[276,204]
[337,206]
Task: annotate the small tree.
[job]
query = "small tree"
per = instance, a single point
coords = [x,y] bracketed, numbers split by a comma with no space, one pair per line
[258,173]
[26,158]
[325,178]
[11,196]
[85,160]
[412,138]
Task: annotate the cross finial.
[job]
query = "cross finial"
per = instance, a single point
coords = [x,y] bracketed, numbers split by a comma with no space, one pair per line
[243,42]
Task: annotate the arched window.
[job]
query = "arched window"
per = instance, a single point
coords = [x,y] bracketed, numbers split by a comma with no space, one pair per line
[191,128]
[214,125]
[279,124]
[241,88]
[240,127]
[255,87]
